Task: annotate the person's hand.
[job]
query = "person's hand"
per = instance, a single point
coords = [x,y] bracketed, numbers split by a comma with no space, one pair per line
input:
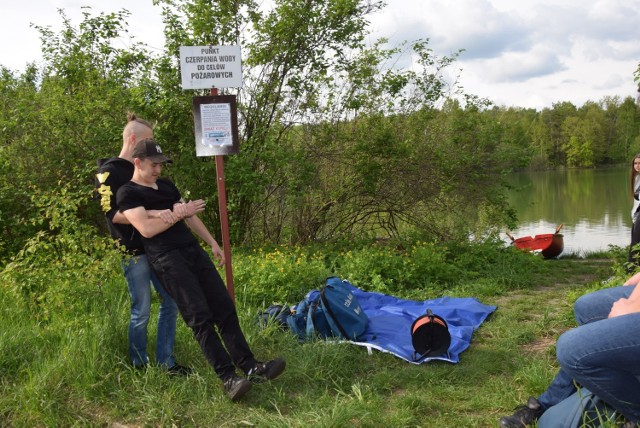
[623,307]
[634,280]
[167,216]
[218,254]
[189,209]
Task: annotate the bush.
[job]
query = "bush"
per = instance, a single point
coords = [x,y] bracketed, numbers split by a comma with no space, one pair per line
[282,274]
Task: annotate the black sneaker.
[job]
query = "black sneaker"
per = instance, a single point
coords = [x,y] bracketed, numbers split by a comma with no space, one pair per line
[266,371]
[178,370]
[236,386]
[524,415]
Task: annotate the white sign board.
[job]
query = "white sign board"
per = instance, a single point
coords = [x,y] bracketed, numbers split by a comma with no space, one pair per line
[203,67]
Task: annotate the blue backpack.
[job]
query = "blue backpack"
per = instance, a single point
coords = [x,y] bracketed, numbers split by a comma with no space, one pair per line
[342,310]
[307,319]
[332,312]
[274,314]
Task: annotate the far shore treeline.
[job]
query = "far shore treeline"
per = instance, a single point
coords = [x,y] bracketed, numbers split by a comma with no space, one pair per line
[334,144]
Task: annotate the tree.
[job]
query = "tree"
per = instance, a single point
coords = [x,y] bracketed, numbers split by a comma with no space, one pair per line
[57,120]
[636,78]
[578,150]
[627,131]
[553,119]
[542,145]
[595,131]
[515,136]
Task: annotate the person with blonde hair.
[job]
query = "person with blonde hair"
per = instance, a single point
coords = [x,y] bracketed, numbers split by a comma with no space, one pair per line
[113,173]
[188,273]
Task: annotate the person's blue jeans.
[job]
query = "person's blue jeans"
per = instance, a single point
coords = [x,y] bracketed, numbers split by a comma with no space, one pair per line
[140,277]
[602,354]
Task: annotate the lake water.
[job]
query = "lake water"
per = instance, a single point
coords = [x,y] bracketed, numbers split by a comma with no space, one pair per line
[593,205]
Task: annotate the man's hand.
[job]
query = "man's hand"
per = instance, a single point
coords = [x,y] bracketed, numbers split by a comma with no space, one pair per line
[189,209]
[623,307]
[167,216]
[218,254]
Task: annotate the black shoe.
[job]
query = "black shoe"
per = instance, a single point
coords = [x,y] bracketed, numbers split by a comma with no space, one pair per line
[524,415]
[236,386]
[266,371]
[178,370]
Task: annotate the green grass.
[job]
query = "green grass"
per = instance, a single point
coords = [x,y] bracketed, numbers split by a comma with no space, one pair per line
[69,368]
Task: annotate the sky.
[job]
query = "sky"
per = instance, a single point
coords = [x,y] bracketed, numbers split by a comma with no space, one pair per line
[520,53]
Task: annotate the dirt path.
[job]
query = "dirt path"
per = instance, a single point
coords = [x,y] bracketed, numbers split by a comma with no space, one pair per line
[552,301]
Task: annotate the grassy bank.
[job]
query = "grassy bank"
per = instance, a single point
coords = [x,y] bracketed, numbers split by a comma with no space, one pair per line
[63,343]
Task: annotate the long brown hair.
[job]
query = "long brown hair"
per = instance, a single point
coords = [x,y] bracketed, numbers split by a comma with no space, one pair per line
[633,174]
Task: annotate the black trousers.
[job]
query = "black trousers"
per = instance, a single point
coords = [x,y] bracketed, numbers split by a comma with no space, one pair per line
[635,239]
[190,277]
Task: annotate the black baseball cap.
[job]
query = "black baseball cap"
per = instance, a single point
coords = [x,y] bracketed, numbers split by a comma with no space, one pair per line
[147,148]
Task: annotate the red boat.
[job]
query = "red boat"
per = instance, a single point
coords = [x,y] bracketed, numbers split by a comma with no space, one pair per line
[550,244]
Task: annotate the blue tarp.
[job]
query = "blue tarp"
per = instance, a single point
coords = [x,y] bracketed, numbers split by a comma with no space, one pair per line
[390,320]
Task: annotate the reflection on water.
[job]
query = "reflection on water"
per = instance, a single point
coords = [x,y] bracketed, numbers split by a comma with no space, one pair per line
[593,205]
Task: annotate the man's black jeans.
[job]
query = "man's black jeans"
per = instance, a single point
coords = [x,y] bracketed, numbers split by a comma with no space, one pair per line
[190,277]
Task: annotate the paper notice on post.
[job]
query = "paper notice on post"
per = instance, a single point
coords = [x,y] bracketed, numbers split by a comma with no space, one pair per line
[216,125]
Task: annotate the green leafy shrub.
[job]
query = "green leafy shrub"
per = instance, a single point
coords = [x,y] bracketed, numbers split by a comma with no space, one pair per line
[263,276]
[61,268]
[373,267]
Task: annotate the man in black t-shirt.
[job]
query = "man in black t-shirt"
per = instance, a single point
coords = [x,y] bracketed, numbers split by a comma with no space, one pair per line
[113,173]
[188,273]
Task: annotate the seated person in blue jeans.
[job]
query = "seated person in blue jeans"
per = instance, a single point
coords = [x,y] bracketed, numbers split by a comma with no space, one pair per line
[188,273]
[602,354]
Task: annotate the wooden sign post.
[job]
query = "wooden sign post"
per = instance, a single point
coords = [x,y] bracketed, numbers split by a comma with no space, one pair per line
[215,119]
